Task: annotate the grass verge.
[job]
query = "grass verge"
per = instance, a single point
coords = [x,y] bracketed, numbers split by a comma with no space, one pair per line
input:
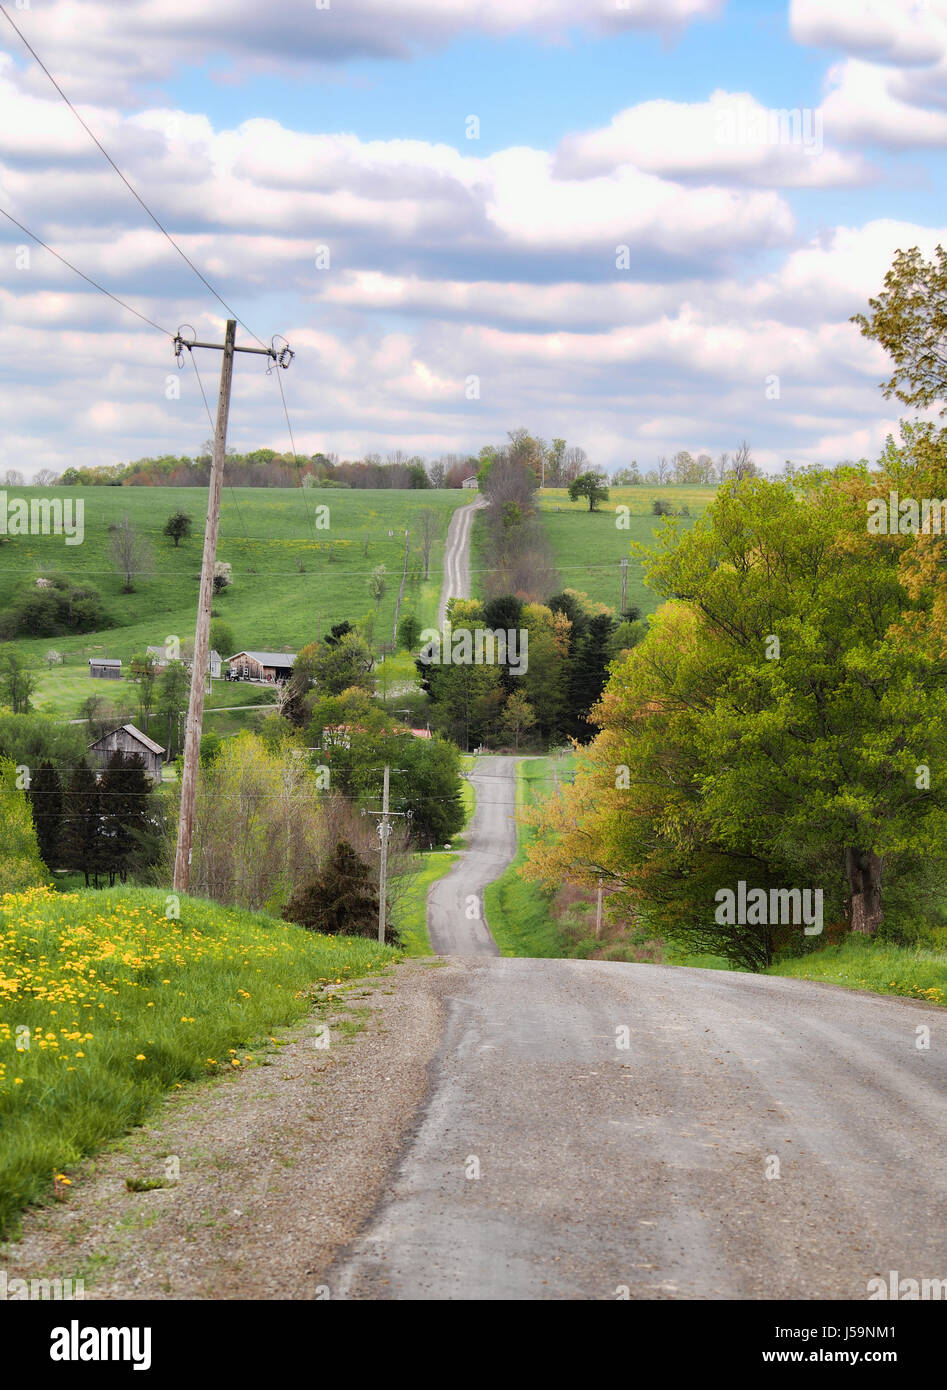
[861,963]
[106,1004]
[519,914]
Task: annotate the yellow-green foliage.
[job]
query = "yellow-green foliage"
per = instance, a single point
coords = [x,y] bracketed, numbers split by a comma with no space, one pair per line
[107,1003]
[20,862]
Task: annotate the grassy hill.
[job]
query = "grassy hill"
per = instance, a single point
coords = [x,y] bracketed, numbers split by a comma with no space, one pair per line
[291,579]
[587,546]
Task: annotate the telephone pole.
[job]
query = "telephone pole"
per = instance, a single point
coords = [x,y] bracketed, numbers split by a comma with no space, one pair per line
[384,830]
[195,708]
[624,586]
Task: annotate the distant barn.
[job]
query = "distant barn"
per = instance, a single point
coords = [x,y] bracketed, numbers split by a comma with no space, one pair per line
[105,668]
[128,740]
[273,667]
[470,482]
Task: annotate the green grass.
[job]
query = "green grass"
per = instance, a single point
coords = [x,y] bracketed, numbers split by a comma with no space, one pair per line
[266,534]
[587,546]
[861,963]
[410,912]
[519,913]
[123,1005]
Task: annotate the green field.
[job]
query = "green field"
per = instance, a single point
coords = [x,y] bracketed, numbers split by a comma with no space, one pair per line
[588,546]
[107,1005]
[292,579]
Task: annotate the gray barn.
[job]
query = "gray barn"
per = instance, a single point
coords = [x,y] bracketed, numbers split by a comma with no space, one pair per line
[128,740]
[105,667]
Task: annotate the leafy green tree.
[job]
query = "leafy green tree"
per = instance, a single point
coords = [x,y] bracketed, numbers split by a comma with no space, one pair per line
[144,673]
[590,485]
[222,639]
[409,630]
[518,718]
[909,320]
[349,662]
[20,863]
[178,527]
[17,683]
[378,584]
[174,688]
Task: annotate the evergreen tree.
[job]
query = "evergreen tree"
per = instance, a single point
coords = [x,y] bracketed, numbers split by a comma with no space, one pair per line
[81,842]
[127,832]
[46,802]
[340,899]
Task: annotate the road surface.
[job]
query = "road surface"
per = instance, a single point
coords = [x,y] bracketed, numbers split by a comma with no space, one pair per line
[457,557]
[455,914]
[758,1138]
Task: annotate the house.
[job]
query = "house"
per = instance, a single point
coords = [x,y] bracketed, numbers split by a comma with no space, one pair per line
[471,483]
[128,740]
[273,668]
[105,668]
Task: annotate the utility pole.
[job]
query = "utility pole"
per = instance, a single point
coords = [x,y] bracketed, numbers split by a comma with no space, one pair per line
[624,586]
[195,708]
[384,830]
[598,911]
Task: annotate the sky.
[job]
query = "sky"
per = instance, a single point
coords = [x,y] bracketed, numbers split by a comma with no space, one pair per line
[639,225]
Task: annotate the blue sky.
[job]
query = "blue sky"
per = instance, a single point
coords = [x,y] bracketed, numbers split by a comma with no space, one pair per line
[260,135]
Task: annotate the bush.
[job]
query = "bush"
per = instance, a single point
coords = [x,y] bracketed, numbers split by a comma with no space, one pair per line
[340,900]
[48,612]
[661,507]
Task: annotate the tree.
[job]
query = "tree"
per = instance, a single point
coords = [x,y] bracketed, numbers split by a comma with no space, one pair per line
[743,465]
[909,320]
[22,866]
[221,638]
[131,553]
[178,527]
[429,524]
[663,469]
[436,473]
[173,692]
[53,658]
[588,671]
[409,630]
[17,683]
[46,802]
[590,485]
[129,840]
[144,673]
[378,584]
[340,900]
[81,846]
[347,662]
[517,718]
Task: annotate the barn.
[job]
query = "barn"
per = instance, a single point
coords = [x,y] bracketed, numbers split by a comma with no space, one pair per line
[471,483]
[128,740]
[105,668]
[272,667]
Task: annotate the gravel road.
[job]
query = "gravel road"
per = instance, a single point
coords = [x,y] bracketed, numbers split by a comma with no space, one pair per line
[457,557]
[455,915]
[647,1169]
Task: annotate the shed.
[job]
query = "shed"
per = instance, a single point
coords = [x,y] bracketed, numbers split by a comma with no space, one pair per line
[271,667]
[129,740]
[105,668]
[471,483]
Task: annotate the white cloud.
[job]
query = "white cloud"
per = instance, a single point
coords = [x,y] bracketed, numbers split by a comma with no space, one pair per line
[905,32]
[870,103]
[730,137]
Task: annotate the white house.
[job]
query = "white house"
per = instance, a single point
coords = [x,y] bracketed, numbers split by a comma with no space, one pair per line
[471,483]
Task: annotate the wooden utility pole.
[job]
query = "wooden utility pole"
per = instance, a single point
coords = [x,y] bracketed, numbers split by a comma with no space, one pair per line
[598,911]
[195,708]
[624,586]
[384,830]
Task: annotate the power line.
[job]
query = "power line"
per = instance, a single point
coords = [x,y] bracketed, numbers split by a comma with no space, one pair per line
[76,271]
[162,229]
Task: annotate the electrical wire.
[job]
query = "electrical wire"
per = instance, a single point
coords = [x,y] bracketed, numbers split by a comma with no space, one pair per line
[94,138]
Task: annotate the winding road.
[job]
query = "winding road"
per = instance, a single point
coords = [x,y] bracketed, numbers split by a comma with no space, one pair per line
[457,557]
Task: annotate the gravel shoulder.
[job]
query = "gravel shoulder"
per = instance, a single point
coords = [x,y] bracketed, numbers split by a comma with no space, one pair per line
[280,1164]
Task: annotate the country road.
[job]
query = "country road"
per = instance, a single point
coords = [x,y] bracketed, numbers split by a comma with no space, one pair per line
[758,1138]
[457,557]
[455,916]
[595,1130]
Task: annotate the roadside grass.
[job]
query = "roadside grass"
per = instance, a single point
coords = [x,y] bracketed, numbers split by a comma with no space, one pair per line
[410,912]
[106,1004]
[291,579]
[519,914]
[913,972]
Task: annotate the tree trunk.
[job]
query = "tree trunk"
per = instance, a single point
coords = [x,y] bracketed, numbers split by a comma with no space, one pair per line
[863,869]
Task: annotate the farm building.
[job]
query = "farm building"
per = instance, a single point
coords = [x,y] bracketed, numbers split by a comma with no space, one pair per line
[105,668]
[471,483]
[273,667]
[129,740]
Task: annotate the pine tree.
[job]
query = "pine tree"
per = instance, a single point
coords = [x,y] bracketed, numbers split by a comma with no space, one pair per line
[81,843]
[126,827]
[340,899]
[46,802]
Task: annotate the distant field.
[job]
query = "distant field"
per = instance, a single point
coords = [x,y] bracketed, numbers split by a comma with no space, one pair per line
[291,579]
[588,547]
